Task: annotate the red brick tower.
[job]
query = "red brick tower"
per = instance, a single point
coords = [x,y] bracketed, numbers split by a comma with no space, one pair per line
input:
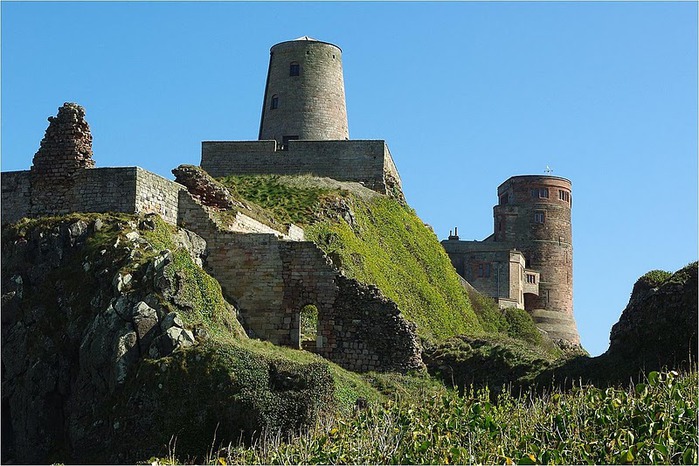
[534,215]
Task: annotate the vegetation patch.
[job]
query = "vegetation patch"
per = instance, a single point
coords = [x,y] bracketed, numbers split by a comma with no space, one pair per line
[647,423]
[388,245]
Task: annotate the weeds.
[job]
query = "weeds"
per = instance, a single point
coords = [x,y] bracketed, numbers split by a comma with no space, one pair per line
[651,422]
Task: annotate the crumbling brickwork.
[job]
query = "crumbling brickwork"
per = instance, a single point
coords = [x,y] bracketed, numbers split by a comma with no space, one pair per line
[271,278]
[64,152]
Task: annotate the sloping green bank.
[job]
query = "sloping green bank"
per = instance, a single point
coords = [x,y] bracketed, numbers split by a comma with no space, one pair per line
[389,246]
[374,239]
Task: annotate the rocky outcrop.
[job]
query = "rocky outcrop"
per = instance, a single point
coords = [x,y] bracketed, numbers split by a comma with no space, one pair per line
[659,325]
[656,331]
[204,188]
[111,346]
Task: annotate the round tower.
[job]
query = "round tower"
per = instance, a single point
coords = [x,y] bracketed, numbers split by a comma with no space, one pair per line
[305,93]
[534,215]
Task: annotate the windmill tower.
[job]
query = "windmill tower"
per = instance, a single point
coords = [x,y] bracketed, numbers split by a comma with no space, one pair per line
[305,93]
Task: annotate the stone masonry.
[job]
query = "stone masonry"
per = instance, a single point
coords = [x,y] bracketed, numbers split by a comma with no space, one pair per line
[65,151]
[533,220]
[271,278]
[365,161]
[270,275]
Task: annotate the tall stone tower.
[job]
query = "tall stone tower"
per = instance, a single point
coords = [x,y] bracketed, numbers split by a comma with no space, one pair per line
[305,93]
[534,215]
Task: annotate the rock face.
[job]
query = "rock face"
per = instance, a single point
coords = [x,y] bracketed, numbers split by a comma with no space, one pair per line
[659,325]
[203,188]
[656,331]
[106,354]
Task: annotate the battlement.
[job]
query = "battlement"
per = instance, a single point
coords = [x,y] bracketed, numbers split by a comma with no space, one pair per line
[364,161]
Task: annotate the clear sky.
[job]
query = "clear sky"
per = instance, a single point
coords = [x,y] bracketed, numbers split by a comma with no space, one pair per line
[466,94]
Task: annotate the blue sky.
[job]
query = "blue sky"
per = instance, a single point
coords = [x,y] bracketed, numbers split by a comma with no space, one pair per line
[466,94]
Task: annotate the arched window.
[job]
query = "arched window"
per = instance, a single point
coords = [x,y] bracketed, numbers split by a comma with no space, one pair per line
[275,102]
[294,68]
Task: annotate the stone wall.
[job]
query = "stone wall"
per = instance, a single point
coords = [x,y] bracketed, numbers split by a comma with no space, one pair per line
[155,194]
[16,200]
[122,189]
[368,162]
[271,278]
[102,190]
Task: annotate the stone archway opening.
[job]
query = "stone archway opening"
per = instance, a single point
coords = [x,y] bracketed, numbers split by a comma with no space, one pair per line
[308,327]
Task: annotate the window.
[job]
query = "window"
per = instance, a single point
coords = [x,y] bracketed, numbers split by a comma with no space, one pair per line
[563,195]
[504,199]
[542,193]
[275,102]
[539,217]
[531,278]
[294,68]
[483,270]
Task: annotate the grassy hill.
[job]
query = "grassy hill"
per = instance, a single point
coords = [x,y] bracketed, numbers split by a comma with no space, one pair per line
[374,239]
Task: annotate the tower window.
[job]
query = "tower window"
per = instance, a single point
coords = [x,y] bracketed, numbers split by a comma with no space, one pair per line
[563,195]
[275,102]
[531,278]
[539,216]
[541,193]
[294,69]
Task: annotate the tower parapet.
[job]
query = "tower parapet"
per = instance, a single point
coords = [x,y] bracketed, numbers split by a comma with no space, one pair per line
[305,93]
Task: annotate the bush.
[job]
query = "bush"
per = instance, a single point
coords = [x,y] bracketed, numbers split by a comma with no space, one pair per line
[521,326]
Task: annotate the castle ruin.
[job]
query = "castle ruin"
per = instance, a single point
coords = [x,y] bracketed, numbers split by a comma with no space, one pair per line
[270,274]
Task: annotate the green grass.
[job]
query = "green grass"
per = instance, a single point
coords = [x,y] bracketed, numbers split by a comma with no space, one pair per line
[390,247]
[284,200]
[381,241]
[647,423]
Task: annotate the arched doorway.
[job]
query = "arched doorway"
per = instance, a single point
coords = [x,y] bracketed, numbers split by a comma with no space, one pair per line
[308,327]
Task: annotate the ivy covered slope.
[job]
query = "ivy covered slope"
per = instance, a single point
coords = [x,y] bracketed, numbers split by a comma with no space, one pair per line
[374,239]
[116,346]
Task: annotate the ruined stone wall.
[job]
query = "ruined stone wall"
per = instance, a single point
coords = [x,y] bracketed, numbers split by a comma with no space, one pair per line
[62,178]
[365,331]
[64,152]
[155,194]
[367,162]
[16,195]
[270,279]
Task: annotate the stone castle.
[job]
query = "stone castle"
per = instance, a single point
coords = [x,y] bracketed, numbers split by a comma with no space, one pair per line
[270,274]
